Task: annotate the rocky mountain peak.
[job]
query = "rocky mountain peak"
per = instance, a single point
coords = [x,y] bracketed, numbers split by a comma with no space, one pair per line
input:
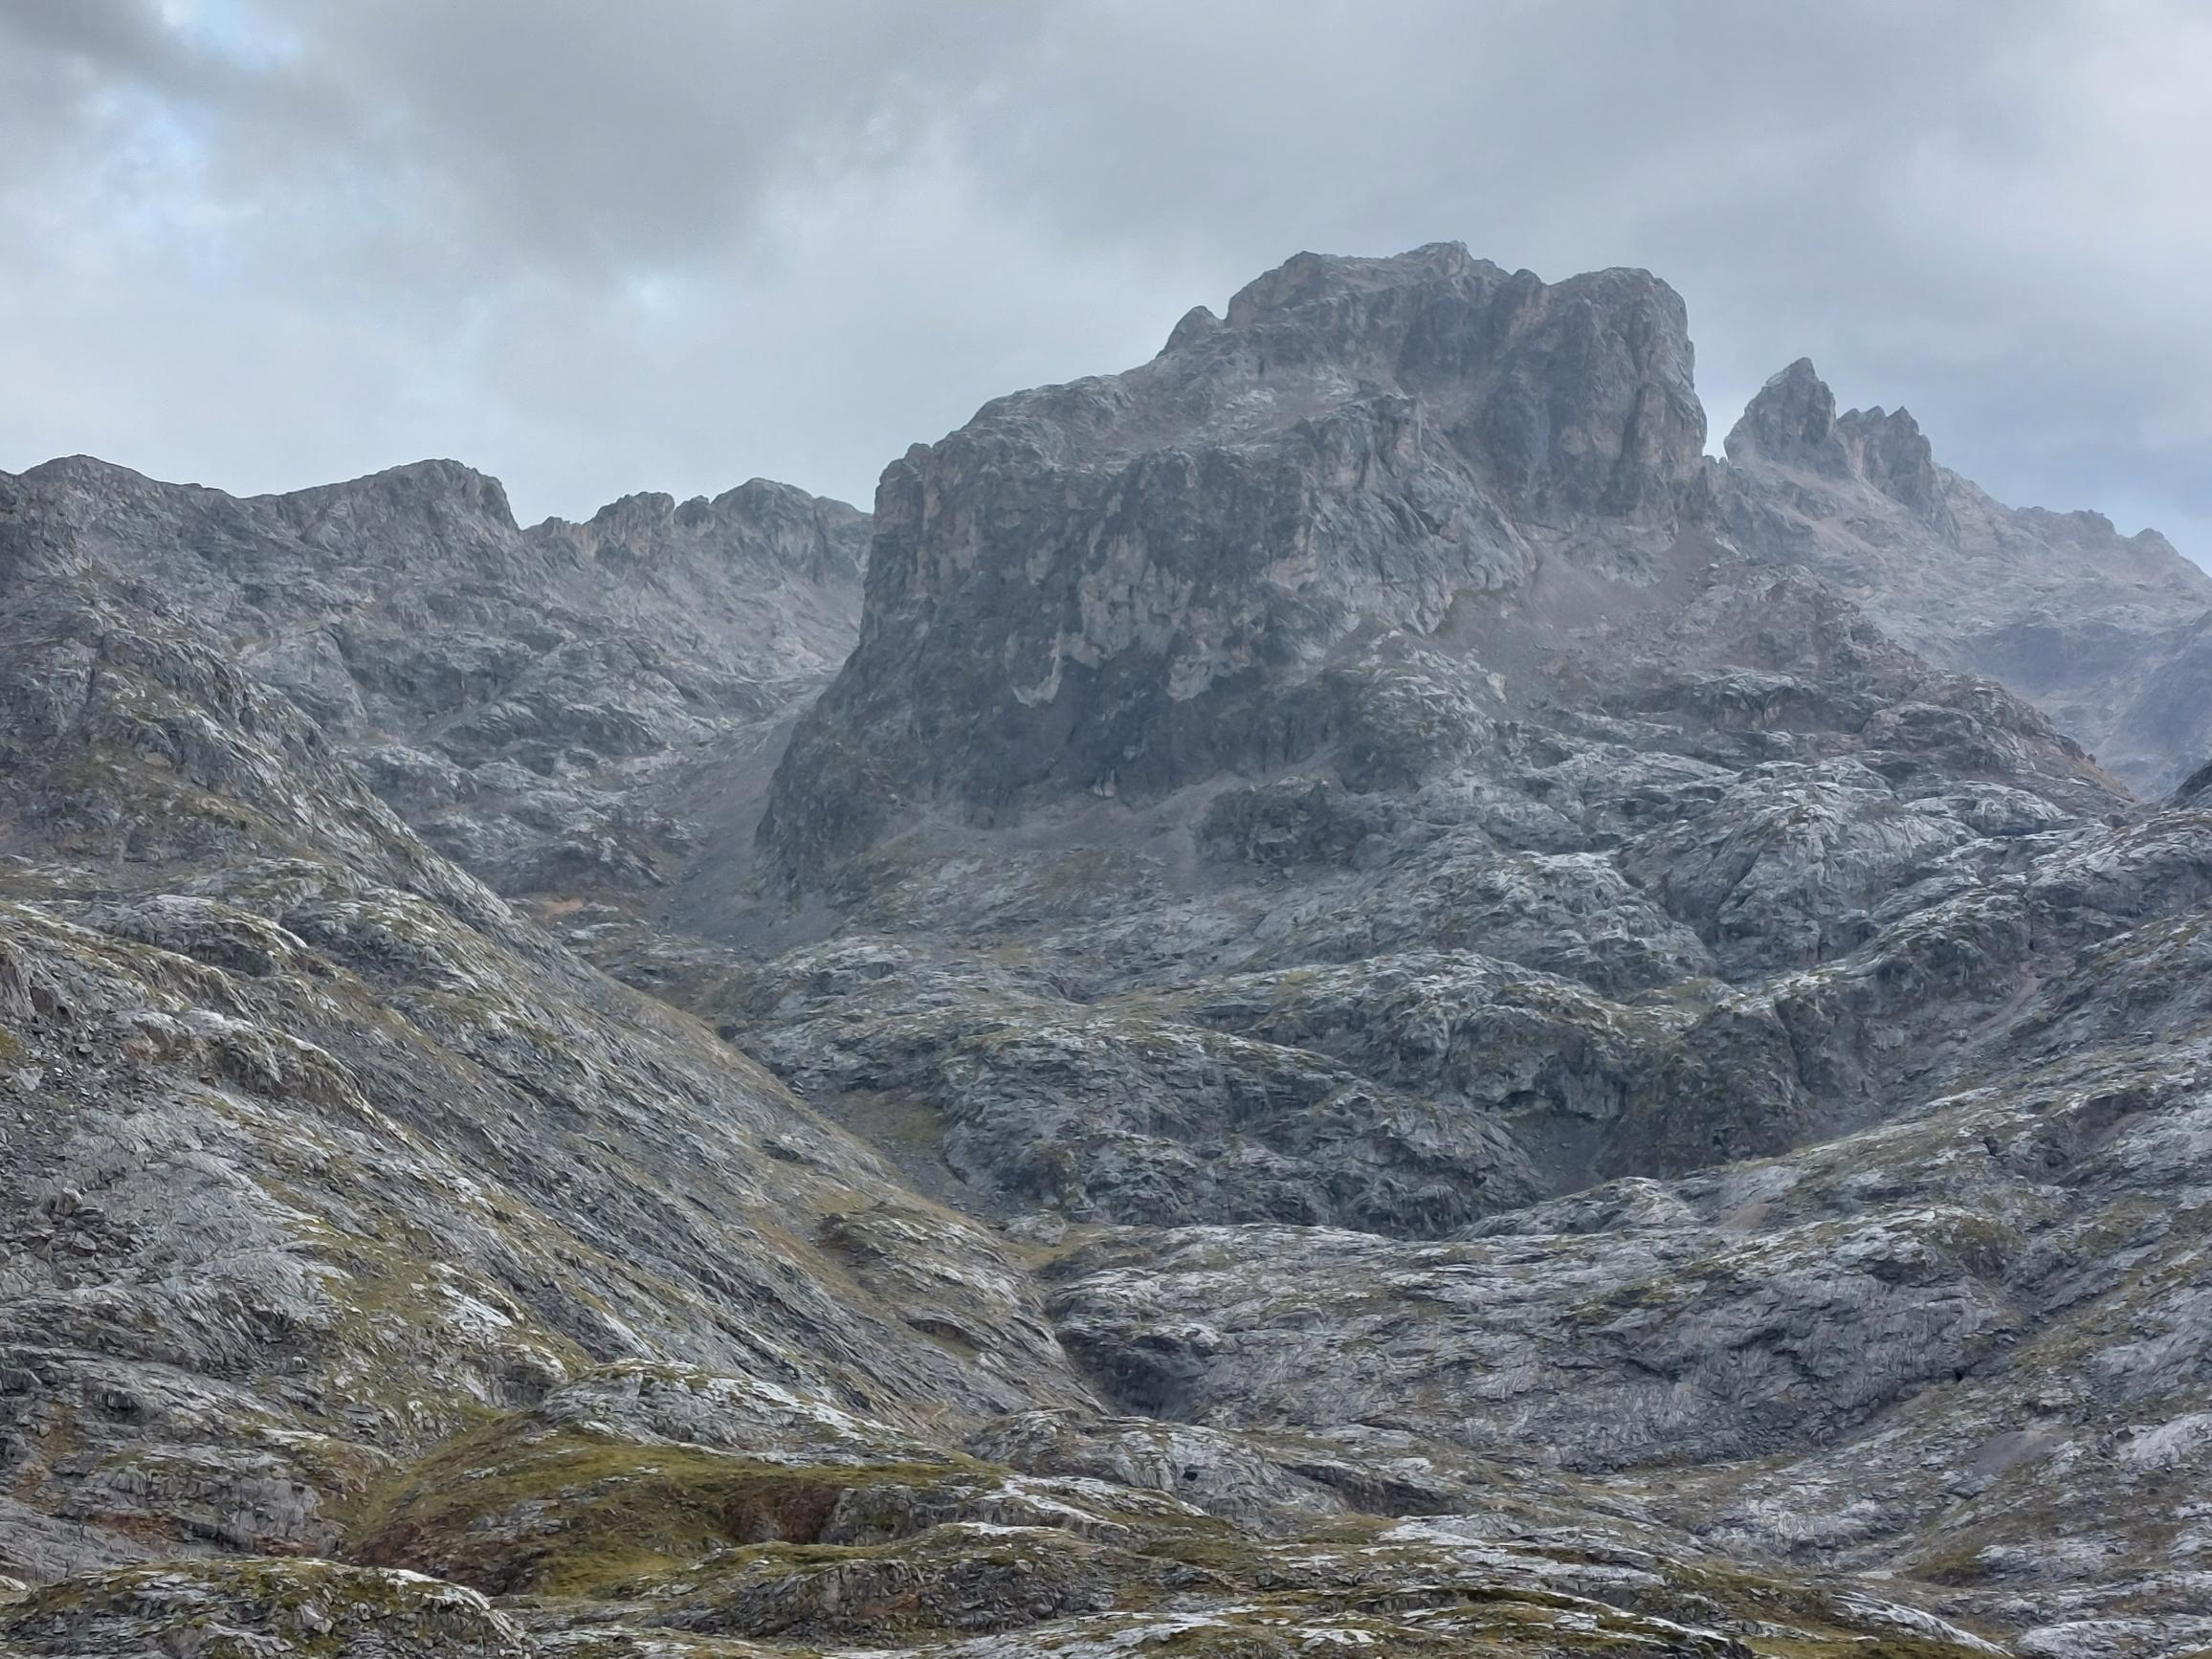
[1307,278]
[1890,452]
[771,528]
[426,515]
[1792,420]
[1569,398]
[1793,423]
[542,703]
[1196,324]
[438,498]
[1092,573]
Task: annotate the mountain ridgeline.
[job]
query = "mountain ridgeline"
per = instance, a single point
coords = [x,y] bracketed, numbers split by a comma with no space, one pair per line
[1330,993]
[1118,579]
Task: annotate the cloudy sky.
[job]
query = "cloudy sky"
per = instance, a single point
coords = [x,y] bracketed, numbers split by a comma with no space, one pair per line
[596,247]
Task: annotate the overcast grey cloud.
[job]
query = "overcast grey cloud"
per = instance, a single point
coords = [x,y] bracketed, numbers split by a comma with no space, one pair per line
[674,243]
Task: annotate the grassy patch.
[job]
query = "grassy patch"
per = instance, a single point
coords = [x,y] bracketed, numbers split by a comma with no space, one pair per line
[573,1513]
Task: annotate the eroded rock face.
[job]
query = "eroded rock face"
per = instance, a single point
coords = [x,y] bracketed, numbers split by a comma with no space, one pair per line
[1621,752]
[1675,848]
[312,1150]
[1793,423]
[1105,586]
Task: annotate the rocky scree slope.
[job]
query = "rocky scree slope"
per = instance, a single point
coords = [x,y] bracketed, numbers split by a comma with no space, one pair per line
[316,1155]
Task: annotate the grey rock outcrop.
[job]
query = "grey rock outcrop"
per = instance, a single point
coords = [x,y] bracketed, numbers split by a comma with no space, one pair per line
[1107,587]
[1793,423]
[1612,750]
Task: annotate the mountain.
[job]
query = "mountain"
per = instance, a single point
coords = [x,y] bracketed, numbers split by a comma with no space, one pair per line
[319,1152]
[545,705]
[1331,993]
[1097,587]
[2100,631]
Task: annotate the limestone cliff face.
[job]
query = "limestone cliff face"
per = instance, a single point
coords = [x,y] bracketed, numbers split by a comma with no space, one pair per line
[1390,621]
[1103,586]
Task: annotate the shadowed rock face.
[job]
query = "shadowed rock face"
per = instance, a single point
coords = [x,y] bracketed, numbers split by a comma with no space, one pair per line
[1103,586]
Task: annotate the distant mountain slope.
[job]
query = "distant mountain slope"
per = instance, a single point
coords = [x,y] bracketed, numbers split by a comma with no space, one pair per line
[1536,1060]
[2101,630]
[316,1153]
[544,705]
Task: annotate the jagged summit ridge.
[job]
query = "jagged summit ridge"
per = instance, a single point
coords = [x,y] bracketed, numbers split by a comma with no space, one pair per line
[1577,396]
[1793,422]
[2102,631]
[1558,395]
[771,524]
[79,508]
